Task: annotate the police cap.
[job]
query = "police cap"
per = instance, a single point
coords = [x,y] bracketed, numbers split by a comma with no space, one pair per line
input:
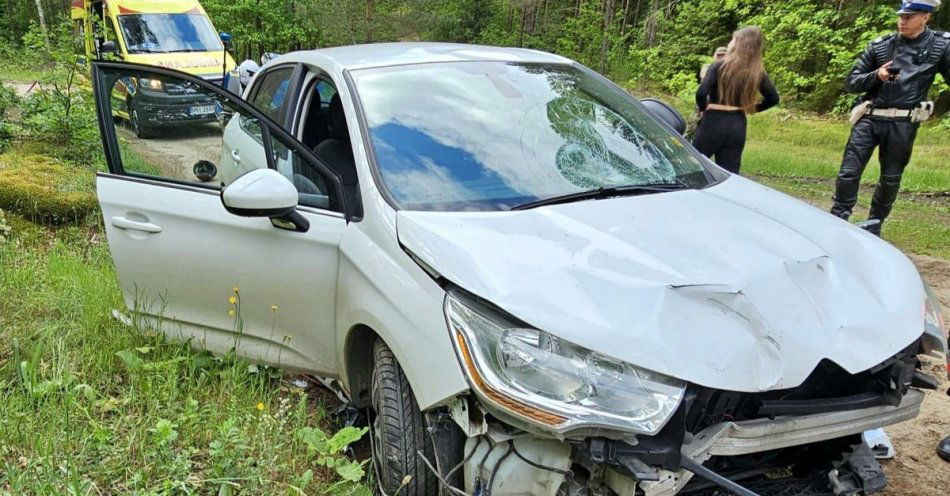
[918,6]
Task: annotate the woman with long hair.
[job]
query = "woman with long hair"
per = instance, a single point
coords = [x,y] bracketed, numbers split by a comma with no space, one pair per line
[728,93]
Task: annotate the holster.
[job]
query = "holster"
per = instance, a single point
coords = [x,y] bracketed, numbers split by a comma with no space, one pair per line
[859,111]
[922,112]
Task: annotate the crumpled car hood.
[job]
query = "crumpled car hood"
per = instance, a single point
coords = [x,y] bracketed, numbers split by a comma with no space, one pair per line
[735,287]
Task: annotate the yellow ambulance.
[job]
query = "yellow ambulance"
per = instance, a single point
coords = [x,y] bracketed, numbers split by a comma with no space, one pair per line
[169,33]
[176,34]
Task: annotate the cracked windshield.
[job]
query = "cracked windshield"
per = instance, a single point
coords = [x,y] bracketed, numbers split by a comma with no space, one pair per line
[495,135]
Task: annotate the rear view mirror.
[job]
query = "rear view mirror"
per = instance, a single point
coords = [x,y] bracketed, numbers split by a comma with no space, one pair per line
[108,48]
[666,113]
[260,193]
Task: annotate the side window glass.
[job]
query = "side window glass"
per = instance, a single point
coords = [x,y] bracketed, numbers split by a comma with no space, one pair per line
[268,96]
[172,129]
[326,91]
[312,189]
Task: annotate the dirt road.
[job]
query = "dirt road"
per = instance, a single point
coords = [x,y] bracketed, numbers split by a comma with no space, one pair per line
[176,149]
[917,470]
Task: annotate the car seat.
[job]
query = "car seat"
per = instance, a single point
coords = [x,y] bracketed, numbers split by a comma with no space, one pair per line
[337,151]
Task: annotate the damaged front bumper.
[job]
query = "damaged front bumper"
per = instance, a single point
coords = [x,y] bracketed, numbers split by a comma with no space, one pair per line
[764,435]
[807,438]
[502,463]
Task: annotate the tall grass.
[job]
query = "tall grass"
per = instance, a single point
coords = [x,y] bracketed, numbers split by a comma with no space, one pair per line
[89,405]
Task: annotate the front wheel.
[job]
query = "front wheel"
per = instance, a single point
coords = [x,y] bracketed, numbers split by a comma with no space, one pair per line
[140,128]
[399,431]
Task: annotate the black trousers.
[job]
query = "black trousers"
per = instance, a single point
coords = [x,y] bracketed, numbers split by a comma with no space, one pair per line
[721,134]
[896,141]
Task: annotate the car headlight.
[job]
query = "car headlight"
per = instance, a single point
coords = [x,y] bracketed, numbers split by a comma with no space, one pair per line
[553,383]
[935,333]
[151,84]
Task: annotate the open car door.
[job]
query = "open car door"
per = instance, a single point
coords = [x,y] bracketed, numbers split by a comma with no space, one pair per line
[260,283]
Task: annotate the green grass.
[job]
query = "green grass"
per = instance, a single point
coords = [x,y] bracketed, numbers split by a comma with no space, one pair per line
[783,145]
[10,73]
[91,406]
[919,223]
[800,155]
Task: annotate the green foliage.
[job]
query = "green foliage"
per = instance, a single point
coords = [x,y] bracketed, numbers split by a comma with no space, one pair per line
[328,451]
[61,112]
[45,190]
[8,103]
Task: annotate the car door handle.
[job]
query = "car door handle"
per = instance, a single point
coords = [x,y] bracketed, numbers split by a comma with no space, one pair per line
[235,156]
[131,225]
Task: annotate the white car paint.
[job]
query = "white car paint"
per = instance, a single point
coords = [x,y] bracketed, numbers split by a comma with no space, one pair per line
[182,278]
[260,189]
[735,287]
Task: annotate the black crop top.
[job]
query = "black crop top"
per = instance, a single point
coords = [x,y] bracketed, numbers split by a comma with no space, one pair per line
[708,91]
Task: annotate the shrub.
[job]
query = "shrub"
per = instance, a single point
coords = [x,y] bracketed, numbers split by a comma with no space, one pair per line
[8,101]
[44,190]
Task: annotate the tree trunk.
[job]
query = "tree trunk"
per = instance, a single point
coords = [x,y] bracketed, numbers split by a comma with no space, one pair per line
[42,15]
[605,38]
[652,23]
[369,21]
[524,20]
[626,13]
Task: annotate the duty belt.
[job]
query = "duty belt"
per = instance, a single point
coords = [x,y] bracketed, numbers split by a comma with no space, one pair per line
[891,113]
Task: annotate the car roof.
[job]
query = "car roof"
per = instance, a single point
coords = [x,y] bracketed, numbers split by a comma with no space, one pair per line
[354,57]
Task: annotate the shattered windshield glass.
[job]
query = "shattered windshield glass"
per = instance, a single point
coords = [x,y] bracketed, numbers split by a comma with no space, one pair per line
[495,135]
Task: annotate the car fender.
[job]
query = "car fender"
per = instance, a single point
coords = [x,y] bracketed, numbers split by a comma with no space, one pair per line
[383,292]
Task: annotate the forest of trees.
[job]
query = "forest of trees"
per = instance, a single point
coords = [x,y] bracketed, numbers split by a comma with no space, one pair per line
[654,43]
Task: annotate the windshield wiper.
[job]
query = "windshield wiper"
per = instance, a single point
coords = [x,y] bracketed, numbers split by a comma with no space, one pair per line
[606,192]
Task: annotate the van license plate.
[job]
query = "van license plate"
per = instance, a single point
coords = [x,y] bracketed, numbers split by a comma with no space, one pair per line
[202,110]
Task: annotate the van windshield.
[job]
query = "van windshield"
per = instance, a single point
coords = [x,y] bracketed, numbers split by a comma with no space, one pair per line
[164,33]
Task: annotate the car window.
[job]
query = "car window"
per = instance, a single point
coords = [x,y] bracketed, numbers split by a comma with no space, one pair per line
[175,130]
[326,91]
[269,92]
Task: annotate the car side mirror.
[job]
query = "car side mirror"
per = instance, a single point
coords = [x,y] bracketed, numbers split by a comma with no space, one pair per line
[666,113]
[265,193]
[108,48]
[260,193]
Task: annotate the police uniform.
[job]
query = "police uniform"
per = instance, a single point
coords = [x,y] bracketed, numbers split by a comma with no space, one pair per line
[892,110]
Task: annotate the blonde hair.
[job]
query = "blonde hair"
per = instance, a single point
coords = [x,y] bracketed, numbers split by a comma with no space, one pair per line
[742,70]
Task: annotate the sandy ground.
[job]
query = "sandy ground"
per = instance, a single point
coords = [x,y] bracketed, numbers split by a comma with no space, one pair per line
[176,149]
[917,470]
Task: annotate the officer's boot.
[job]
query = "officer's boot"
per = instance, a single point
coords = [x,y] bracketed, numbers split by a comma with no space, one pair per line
[943,449]
[846,190]
[885,194]
[872,226]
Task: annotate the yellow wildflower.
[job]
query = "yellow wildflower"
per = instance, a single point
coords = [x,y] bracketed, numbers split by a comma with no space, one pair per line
[260,406]
[232,300]
[231,312]
[273,308]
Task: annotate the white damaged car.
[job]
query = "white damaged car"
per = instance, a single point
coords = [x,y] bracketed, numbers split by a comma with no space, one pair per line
[530,281]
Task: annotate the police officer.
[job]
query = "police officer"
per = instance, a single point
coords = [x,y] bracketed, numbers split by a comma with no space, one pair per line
[895,73]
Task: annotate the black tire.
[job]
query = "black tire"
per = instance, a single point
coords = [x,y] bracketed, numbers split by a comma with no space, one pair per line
[399,430]
[141,130]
